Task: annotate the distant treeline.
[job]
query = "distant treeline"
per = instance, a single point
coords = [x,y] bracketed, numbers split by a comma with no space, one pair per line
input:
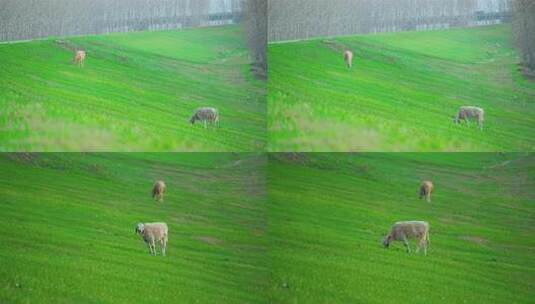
[302,19]
[31,19]
[524,31]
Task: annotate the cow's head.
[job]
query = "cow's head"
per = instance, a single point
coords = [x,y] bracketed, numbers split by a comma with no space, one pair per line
[387,240]
[140,228]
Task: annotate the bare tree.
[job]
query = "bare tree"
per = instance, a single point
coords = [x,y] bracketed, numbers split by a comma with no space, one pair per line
[255,24]
[524,32]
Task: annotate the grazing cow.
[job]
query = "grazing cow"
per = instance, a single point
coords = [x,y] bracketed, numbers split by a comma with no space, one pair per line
[205,115]
[79,58]
[403,231]
[426,189]
[348,58]
[158,190]
[152,232]
[468,112]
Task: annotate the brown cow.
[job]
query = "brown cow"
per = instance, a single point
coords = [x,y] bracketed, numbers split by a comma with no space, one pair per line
[426,189]
[468,112]
[348,58]
[158,190]
[152,232]
[403,231]
[79,58]
[206,115]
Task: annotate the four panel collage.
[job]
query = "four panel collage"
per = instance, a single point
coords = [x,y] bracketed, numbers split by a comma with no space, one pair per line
[267,151]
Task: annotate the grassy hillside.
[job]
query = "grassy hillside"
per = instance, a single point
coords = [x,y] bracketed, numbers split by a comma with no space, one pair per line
[401,94]
[68,228]
[329,212]
[135,93]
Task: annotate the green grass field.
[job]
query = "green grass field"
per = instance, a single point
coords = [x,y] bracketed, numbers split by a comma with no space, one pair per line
[135,93]
[68,228]
[328,214]
[401,94]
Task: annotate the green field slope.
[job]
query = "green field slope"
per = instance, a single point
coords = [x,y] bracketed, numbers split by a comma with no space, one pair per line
[328,214]
[401,94]
[68,228]
[135,93]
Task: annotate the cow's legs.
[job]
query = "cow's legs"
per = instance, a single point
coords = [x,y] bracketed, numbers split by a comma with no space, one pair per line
[406,242]
[162,246]
[153,247]
[423,244]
